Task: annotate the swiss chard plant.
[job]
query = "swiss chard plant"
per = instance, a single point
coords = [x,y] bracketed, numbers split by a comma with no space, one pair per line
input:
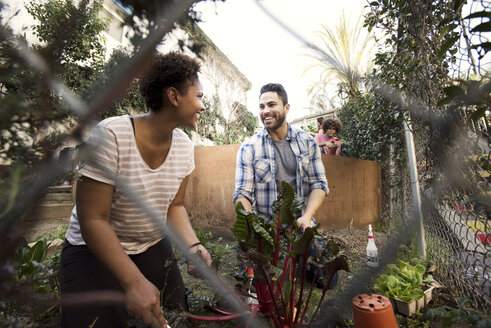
[277,251]
[402,281]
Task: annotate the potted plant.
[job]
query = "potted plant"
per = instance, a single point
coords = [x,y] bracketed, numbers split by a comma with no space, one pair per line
[403,283]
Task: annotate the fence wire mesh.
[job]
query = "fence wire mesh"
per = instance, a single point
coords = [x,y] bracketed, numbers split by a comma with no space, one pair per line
[457,221]
[456,210]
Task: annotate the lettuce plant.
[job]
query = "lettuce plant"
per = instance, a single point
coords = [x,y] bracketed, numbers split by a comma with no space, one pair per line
[402,281]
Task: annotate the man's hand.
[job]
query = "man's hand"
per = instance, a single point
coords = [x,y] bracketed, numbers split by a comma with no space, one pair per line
[199,250]
[304,222]
[143,303]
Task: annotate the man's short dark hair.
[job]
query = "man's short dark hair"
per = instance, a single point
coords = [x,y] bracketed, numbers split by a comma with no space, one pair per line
[170,70]
[275,87]
[320,120]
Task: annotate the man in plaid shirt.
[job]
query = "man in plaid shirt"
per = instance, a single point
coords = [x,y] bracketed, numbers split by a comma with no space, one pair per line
[279,153]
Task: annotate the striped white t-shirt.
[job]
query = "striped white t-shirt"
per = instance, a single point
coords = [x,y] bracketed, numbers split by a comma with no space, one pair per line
[115,157]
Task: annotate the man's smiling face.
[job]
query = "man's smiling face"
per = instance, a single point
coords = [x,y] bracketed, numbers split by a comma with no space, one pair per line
[272,111]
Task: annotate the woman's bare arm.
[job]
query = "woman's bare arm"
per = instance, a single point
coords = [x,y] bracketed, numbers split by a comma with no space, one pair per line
[93,209]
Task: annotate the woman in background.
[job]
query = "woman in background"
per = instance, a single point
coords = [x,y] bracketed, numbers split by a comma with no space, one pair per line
[328,141]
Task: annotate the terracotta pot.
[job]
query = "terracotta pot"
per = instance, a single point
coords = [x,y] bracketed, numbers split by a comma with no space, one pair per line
[373,311]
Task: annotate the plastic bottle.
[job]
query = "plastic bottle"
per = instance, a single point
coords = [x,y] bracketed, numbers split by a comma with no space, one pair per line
[372,252]
[248,285]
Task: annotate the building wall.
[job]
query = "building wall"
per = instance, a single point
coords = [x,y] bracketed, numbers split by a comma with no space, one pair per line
[354,199]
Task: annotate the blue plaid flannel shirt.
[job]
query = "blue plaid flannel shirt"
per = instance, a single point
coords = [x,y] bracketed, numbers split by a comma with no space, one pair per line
[256,169]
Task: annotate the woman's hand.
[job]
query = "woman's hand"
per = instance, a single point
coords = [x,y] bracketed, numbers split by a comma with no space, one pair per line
[143,303]
[332,145]
[199,250]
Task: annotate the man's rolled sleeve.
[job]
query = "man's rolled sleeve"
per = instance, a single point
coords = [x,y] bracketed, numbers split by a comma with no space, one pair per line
[317,172]
[244,174]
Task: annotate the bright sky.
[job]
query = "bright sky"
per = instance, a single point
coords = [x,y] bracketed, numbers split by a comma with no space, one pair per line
[263,51]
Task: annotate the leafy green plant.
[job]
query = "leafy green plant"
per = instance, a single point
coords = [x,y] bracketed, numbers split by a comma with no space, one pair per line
[58,234]
[402,281]
[214,245]
[278,253]
[462,313]
[380,225]
[29,258]
[29,269]
[34,265]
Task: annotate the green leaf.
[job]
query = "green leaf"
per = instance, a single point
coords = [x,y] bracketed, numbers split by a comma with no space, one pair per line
[330,268]
[284,204]
[479,14]
[478,114]
[428,279]
[262,232]
[483,27]
[457,5]
[300,246]
[416,293]
[452,92]
[485,45]
[38,251]
[444,31]
[275,272]
[446,46]
[242,228]
[332,247]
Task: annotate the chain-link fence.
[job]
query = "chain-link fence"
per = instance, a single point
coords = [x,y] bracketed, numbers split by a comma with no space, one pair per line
[455,211]
[457,221]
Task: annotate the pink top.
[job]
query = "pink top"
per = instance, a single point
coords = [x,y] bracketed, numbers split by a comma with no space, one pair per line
[320,138]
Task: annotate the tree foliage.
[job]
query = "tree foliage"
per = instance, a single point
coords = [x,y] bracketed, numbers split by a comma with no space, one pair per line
[214,126]
[242,125]
[421,42]
[346,58]
[132,102]
[33,117]
[421,45]
[370,126]
[413,67]
[210,119]
[70,35]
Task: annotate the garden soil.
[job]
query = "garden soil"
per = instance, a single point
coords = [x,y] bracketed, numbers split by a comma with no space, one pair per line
[352,241]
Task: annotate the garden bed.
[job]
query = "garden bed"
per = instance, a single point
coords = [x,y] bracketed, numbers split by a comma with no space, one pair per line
[221,245]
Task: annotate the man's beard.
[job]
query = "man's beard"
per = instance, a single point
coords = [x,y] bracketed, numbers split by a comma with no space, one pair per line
[279,122]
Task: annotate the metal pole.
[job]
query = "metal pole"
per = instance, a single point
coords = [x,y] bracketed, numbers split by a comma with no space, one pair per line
[391,187]
[418,214]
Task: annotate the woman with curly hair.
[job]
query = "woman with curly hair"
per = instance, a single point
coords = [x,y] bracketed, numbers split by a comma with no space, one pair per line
[327,140]
[112,245]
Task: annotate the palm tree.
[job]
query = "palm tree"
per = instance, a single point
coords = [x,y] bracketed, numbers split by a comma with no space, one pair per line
[344,55]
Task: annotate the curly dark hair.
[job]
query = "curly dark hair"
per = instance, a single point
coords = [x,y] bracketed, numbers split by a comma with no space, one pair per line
[332,123]
[170,70]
